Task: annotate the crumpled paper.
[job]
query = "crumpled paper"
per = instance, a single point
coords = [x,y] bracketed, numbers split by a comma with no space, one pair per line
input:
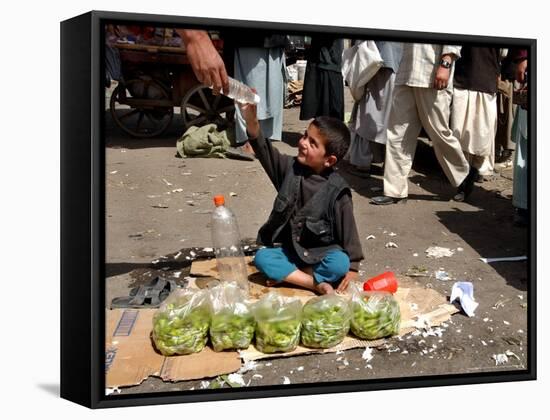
[439,252]
[464,292]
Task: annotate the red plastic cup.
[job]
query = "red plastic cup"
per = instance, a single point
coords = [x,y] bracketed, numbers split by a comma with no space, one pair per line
[385,282]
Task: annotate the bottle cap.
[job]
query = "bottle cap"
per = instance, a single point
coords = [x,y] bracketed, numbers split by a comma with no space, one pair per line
[219,200]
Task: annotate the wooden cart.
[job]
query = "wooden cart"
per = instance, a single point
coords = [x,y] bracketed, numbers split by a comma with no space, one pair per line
[158,79]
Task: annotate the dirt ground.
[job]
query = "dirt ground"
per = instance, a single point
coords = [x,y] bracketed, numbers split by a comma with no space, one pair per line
[159,204]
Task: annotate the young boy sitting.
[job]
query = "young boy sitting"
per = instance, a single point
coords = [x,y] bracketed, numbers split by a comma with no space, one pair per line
[312,217]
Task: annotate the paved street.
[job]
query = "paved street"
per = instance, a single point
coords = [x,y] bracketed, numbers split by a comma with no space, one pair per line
[158,204]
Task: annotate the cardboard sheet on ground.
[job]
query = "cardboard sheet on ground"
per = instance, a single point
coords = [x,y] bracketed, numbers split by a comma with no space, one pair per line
[420,308]
[209,268]
[131,358]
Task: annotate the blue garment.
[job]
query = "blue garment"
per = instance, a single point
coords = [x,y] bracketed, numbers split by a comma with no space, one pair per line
[391,53]
[278,263]
[262,69]
[521,174]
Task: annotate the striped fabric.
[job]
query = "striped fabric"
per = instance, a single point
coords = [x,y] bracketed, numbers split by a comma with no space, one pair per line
[420,62]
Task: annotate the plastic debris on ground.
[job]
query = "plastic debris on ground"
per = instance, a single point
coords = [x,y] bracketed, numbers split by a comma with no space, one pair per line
[416,271]
[286,381]
[367,354]
[442,275]
[464,292]
[510,353]
[235,380]
[500,359]
[492,260]
[391,245]
[501,303]
[371,237]
[109,391]
[439,252]
[247,366]
[433,332]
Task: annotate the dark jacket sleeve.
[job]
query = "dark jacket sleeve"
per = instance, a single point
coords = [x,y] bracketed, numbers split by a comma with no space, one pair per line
[346,230]
[274,162]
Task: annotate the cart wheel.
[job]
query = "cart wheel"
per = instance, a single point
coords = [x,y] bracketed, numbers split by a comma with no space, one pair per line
[141,121]
[199,107]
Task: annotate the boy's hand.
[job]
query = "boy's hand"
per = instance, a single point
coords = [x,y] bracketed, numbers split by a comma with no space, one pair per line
[350,276]
[248,112]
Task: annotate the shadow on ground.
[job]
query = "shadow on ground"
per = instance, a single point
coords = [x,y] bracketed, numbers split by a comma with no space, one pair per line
[488,229]
[52,389]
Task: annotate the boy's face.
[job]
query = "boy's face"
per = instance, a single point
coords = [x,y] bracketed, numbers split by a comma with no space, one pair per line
[312,151]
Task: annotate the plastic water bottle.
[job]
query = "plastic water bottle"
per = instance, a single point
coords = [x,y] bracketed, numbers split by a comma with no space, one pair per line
[227,245]
[241,93]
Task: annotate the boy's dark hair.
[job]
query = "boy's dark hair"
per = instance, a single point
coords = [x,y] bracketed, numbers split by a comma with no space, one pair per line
[336,134]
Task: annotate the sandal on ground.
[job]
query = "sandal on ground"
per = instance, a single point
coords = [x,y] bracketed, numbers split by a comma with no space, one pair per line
[239,153]
[384,200]
[149,295]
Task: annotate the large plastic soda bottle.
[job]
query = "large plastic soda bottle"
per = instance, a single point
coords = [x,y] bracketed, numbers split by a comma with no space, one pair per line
[227,245]
[241,93]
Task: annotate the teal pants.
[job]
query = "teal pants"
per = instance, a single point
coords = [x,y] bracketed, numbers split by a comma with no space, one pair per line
[278,263]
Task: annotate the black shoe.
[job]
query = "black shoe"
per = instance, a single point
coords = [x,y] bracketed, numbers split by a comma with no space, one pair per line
[384,200]
[505,155]
[465,189]
[484,178]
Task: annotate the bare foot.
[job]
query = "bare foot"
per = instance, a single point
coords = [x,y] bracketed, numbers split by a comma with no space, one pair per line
[324,288]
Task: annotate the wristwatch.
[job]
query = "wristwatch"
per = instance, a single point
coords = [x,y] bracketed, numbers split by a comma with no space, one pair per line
[445,64]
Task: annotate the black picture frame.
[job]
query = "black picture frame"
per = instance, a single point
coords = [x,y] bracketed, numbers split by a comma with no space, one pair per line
[83,215]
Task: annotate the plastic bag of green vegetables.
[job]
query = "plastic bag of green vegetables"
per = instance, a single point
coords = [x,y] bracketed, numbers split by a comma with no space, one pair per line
[180,325]
[232,324]
[278,322]
[325,321]
[374,314]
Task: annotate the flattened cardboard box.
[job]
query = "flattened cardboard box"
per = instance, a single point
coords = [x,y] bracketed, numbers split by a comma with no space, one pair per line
[131,357]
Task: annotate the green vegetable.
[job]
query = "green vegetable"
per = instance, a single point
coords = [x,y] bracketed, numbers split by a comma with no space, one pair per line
[230,330]
[374,315]
[180,326]
[325,321]
[278,322]
[232,321]
[277,335]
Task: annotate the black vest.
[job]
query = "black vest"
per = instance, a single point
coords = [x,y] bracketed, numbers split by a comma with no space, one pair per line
[313,226]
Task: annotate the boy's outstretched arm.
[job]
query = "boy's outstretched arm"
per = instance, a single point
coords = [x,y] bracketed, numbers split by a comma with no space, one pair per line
[274,163]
